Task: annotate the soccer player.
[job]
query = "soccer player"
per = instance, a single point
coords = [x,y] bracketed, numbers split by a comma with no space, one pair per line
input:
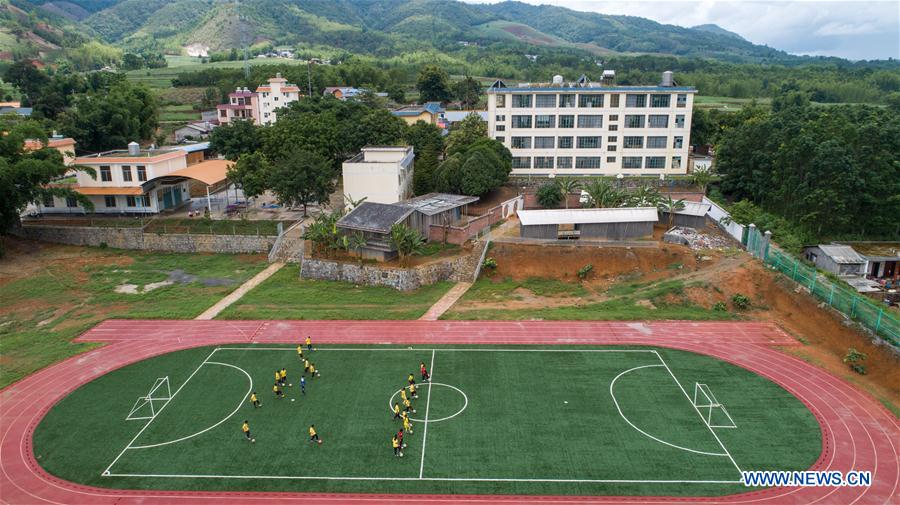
[396,445]
[305,365]
[407,406]
[246,429]
[411,379]
[277,390]
[407,426]
[412,392]
[425,376]
[400,438]
[283,375]
[303,385]
[403,394]
[396,410]
[313,436]
[312,370]
[300,352]
[255,401]
[308,344]
[277,376]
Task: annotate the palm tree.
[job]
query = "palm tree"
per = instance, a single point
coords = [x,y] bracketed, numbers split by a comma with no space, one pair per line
[670,206]
[355,242]
[644,196]
[567,185]
[702,177]
[603,194]
[407,241]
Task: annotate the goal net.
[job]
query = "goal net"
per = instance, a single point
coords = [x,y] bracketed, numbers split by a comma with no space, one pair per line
[146,407]
[714,413]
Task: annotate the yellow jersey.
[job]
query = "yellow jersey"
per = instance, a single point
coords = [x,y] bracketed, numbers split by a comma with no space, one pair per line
[411,379]
[308,341]
[300,350]
[277,375]
[406,402]
[395,443]
[306,363]
[403,415]
[312,431]
[312,368]
[406,424]
[412,389]
[275,388]
[253,398]
[396,408]
[245,428]
[403,394]
[283,373]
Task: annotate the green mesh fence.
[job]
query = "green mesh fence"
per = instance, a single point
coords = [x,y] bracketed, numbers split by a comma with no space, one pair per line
[844,299]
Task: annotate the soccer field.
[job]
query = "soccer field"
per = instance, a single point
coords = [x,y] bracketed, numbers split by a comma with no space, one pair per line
[599,420]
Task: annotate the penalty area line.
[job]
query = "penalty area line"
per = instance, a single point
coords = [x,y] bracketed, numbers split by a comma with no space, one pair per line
[435,479]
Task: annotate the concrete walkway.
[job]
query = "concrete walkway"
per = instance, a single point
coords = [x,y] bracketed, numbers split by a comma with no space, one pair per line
[239,292]
[446,301]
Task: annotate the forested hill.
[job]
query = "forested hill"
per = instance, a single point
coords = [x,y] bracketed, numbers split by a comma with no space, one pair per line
[391,27]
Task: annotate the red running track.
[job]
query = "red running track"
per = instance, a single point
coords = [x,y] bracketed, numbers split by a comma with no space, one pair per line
[858,433]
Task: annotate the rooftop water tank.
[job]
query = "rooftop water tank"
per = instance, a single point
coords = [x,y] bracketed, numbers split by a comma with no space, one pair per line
[134,149]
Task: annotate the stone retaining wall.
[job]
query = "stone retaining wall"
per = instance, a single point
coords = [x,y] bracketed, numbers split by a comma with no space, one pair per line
[457,269]
[135,238]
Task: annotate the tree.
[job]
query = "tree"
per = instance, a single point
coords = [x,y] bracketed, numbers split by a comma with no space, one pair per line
[424,172]
[236,138]
[483,167]
[422,135]
[433,84]
[701,177]
[669,206]
[110,119]
[548,195]
[567,186]
[302,177]
[131,61]
[644,196]
[252,173]
[465,133]
[468,92]
[355,242]
[407,241]
[395,92]
[602,194]
[24,175]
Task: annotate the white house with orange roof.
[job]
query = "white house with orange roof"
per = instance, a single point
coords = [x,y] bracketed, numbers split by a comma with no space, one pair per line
[261,105]
[65,145]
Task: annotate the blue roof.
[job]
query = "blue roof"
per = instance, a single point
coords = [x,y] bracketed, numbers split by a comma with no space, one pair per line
[191,148]
[433,107]
[22,111]
[607,89]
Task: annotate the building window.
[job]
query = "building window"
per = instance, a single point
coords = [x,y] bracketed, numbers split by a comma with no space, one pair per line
[521,121]
[544,102]
[543,162]
[544,142]
[71,202]
[613,117]
[564,162]
[110,201]
[567,121]
[566,101]
[656,142]
[632,100]
[590,101]
[126,173]
[500,117]
[656,162]
[633,142]
[634,120]
[631,162]
[611,149]
[130,201]
[501,101]
[613,127]
[521,162]
[544,121]
[564,143]
[521,101]
[681,101]
[223,113]
[660,100]
[587,162]
[679,121]
[678,142]
[48,201]
[105,174]
[610,159]
[590,121]
[658,121]
[676,161]
[611,138]
[588,142]
[142,173]
[614,100]
[521,142]
[501,127]
[500,139]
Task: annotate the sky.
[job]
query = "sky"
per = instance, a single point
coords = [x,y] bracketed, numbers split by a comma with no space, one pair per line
[852,29]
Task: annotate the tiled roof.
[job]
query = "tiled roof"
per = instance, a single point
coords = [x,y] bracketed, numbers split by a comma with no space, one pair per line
[374,217]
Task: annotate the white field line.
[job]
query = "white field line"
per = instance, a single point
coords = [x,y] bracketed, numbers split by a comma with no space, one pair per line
[438,479]
[427,407]
[229,416]
[419,349]
[612,385]
[686,395]
[106,472]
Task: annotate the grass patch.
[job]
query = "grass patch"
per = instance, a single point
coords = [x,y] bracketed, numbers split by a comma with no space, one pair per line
[42,313]
[618,310]
[487,289]
[216,227]
[286,296]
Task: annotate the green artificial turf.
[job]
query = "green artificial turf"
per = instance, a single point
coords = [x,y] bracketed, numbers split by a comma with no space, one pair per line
[531,417]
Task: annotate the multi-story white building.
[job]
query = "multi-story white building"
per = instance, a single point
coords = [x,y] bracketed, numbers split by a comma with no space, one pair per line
[379,174]
[587,128]
[259,106]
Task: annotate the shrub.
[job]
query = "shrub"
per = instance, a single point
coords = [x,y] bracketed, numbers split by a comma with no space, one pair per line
[490,264]
[720,307]
[584,271]
[855,358]
[740,302]
[549,196]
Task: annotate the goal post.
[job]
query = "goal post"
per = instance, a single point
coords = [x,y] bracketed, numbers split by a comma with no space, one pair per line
[715,415]
[146,407]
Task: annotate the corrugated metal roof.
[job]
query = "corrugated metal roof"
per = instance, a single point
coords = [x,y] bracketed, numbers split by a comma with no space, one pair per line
[374,217]
[842,254]
[435,203]
[191,148]
[458,115]
[694,209]
[586,216]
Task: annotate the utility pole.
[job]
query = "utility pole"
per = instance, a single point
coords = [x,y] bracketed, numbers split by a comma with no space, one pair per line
[242,26]
[309,76]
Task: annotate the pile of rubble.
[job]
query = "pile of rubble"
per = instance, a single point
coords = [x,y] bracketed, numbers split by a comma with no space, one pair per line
[697,240]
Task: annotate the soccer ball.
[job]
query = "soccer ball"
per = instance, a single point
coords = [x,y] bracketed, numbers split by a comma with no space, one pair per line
[252,440]
[290,385]
[401,454]
[292,399]
[320,442]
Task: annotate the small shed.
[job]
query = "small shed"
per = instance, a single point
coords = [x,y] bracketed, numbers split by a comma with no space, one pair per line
[374,221]
[835,258]
[436,209]
[610,224]
[693,215]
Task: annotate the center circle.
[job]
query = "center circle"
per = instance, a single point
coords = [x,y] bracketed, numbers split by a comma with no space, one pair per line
[458,412]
